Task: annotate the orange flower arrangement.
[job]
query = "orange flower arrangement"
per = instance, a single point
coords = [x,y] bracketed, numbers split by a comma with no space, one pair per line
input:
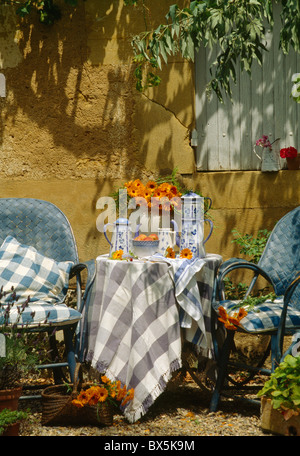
[231,322]
[98,394]
[186,253]
[164,192]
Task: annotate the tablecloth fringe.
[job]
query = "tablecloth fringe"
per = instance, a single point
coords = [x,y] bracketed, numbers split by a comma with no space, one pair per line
[132,417]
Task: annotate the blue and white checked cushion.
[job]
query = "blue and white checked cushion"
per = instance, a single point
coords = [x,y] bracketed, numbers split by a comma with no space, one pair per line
[32,274]
[42,279]
[265,317]
[40,313]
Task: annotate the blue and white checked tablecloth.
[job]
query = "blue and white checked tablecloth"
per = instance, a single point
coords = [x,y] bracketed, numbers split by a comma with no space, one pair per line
[132,325]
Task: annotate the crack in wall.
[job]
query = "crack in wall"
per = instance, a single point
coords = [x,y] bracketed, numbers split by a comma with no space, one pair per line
[167,109]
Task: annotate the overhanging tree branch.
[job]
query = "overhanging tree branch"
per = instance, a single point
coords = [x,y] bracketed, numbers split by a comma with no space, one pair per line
[236,28]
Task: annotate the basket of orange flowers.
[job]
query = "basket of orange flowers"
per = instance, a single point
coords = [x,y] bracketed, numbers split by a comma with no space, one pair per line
[83,403]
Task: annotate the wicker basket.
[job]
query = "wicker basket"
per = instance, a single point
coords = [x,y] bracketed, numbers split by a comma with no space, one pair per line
[58,410]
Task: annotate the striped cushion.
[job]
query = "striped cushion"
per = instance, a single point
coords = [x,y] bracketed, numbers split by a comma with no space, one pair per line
[265,317]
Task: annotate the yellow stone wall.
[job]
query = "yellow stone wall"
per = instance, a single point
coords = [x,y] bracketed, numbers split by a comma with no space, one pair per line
[74,128]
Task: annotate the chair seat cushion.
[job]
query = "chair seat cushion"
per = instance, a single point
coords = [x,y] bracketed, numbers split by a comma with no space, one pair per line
[265,317]
[32,274]
[40,314]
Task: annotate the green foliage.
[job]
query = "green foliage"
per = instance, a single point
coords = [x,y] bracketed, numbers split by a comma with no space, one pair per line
[8,417]
[251,246]
[235,28]
[20,357]
[290,32]
[283,387]
[48,11]
[234,292]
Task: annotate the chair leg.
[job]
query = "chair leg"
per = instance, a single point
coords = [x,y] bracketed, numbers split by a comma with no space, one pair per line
[222,370]
[57,371]
[276,351]
[70,350]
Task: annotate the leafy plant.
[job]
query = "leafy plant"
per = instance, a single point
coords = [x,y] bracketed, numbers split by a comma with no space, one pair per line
[20,357]
[251,246]
[234,292]
[8,417]
[283,387]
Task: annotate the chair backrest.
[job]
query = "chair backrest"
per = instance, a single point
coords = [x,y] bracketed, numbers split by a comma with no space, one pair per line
[40,224]
[281,256]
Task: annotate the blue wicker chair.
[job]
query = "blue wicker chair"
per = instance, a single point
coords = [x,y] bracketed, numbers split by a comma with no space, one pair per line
[32,228]
[279,265]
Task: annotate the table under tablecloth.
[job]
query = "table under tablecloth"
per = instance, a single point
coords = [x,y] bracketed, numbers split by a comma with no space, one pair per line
[132,325]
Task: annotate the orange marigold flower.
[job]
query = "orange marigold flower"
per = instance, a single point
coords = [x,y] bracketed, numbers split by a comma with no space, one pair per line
[242,313]
[230,326]
[128,184]
[233,320]
[147,194]
[174,191]
[138,183]
[186,253]
[83,397]
[77,403]
[103,393]
[133,191]
[164,187]
[222,312]
[170,253]
[104,379]
[129,396]
[159,193]
[95,398]
[121,393]
[151,185]
[117,255]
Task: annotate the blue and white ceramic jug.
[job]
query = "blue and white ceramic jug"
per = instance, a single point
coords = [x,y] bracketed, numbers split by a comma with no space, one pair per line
[192,225]
[166,239]
[121,236]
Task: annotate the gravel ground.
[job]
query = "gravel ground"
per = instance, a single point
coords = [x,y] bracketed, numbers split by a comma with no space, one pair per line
[182,410]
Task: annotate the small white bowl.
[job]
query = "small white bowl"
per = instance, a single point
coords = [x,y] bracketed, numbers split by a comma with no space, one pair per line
[144,248]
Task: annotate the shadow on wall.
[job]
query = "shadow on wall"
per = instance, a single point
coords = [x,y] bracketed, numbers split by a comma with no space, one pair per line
[72,110]
[69,113]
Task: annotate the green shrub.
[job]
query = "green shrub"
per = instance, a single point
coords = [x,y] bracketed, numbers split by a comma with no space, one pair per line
[283,387]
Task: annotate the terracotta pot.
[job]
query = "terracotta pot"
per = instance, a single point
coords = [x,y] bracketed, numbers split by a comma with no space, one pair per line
[12,430]
[9,398]
[293,163]
[273,420]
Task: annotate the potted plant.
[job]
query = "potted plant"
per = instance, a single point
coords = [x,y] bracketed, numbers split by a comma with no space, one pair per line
[16,356]
[10,421]
[280,398]
[292,157]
